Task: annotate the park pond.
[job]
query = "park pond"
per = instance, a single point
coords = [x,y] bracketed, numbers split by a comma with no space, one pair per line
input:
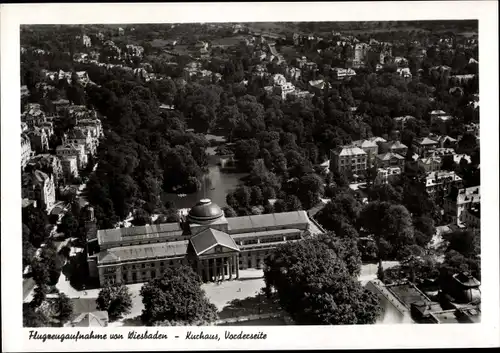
[217,183]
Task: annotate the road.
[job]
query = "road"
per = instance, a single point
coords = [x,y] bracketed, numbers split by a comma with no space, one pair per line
[28,285]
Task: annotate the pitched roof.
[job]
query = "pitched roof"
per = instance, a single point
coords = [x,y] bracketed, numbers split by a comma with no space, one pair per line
[425,141]
[143,252]
[350,151]
[396,144]
[93,319]
[388,156]
[148,231]
[210,238]
[83,305]
[272,221]
[365,143]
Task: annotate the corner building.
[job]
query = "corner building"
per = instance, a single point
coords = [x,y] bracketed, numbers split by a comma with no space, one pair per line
[215,247]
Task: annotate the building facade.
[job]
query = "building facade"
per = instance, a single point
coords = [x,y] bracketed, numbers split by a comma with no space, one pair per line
[348,160]
[40,187]
[216,247]
[26,152]
[457,203]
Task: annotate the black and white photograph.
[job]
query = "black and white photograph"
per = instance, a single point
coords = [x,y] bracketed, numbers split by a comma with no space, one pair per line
[251,174]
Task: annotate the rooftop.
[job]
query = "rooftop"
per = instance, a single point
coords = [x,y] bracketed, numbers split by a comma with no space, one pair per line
[93,319]
[408,294]
[388,156]
[350,151]
[425,141]
[205,210]
[210,238]
[273,220]
[143,252]
[145,232]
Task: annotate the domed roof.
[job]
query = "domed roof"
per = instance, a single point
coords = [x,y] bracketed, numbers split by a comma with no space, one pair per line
[205,211]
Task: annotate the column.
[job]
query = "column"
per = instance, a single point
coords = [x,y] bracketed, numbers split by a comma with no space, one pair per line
[198,268]
[230,266]
[214,269]
[206,271]
[237,265]
[223,277]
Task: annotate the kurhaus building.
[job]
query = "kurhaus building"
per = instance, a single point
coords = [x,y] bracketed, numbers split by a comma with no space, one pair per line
[215,246]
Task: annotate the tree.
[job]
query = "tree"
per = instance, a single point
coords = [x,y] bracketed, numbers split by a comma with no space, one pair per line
[466,242]
[33,317]
[69,225]
[310,190]
[141,217]
[292,203]
[116,300]
[391,225]
[229,212]
[63,307]
[177,296]
[315,287]
[346,249]
[343,208]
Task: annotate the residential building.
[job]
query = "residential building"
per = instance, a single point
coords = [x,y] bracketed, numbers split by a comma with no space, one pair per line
[69,165]
[81,136]
[442,71]
[360,54]
[73,150]
[430,164]
[215,247]
[457,202]
[389,159]
[462,79]
[40,187]
[387,175]
[423,144]
[457,158]
[445,141]
[441,181]
[348,160]
[471,217]
[342,73]
[45,162]
[293,73]
[317,86]
[61,105]
[39,140]
[404,72]
[94,126]
[440,152]
[79,112]
[26,152]
[86,41]
[402,120]
[392,146]
[370,147]
[441,119]
[33,115]
[48,127]
[135,50]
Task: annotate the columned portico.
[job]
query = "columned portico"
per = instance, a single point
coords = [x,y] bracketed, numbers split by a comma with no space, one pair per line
[218,268]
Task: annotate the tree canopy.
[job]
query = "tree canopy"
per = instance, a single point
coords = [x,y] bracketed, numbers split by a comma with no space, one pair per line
[176,296]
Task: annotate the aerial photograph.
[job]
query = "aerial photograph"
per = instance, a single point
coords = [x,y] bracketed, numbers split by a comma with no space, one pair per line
[250,174]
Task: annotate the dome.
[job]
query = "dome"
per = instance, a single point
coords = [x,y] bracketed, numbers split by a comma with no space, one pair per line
[205,211]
